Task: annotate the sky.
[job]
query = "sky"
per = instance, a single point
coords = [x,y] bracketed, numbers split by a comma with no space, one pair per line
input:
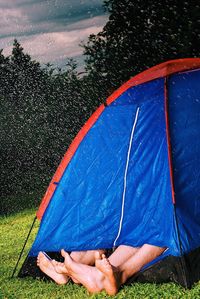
[50,30]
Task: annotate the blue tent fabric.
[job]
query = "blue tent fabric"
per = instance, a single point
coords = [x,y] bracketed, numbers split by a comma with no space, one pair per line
[95,181]
[117,188]
[184,113]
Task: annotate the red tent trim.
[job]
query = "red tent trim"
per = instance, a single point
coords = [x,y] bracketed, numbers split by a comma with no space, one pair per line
[161,70]
[158,71]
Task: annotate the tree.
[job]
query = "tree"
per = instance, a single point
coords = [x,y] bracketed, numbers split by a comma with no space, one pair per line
[140,34]
[42,109]
[23,130]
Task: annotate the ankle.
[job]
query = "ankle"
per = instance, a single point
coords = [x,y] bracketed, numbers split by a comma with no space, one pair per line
[124,276]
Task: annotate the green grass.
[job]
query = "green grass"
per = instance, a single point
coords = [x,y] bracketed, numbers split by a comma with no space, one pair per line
[13,230]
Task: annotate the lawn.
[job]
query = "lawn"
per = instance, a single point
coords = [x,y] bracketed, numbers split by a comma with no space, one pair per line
[13,231]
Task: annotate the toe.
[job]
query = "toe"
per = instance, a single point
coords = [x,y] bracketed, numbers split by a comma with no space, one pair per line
[97,255]
[63,253]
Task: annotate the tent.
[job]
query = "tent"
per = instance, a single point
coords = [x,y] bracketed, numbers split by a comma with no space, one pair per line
[131,176]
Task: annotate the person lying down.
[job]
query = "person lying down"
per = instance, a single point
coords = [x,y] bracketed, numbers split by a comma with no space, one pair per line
[95,271]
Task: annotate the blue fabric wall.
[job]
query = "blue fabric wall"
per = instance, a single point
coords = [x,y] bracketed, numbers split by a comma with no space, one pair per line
[85,210]
[184,115]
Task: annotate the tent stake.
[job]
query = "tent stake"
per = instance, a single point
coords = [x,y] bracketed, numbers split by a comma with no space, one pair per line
[24,246]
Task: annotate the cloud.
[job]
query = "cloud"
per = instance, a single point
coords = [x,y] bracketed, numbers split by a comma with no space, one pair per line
[12,21]
[51,30]
[56,47]
[40,16]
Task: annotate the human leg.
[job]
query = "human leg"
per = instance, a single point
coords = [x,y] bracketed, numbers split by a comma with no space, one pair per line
[110,273]
[116,274]
[95,279]
[142,257]
[88,276]
[81,257]
[92,278]
[47,267]
[122,254]
[85,257]
[58,272]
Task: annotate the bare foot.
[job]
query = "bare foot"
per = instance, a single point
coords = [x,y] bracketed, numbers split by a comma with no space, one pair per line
[111,282]
[88,276]
[59,267]
[47,267]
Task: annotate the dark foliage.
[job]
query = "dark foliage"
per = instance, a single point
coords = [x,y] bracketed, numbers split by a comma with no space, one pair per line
[41,111]
[140,34]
